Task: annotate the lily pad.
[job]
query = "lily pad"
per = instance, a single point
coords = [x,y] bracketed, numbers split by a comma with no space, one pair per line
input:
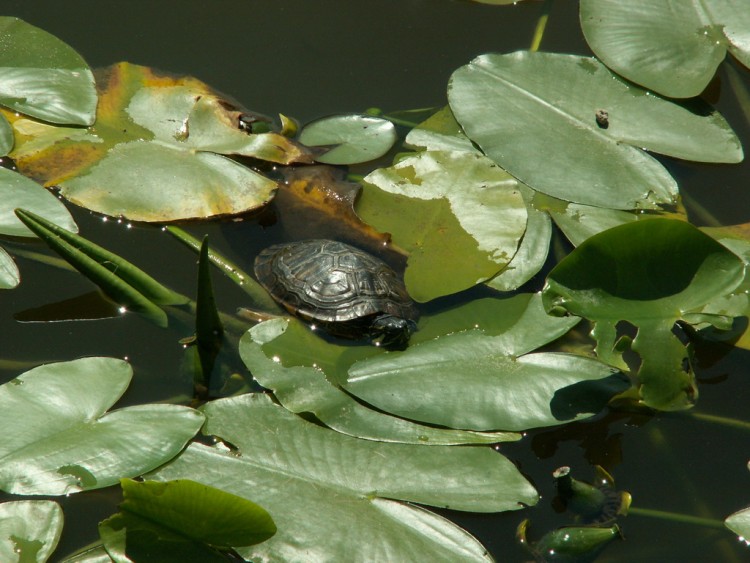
[535,114]
[43,77]
[477,381]
[739,522]
[312,480]
[6,136]
[152,153]
[651,274]
[446,209]
[29,530]
[271,349]
[10,277]
[671,48]
[532,251]
[59,439]
[20,192]
[355,138]
[166,184]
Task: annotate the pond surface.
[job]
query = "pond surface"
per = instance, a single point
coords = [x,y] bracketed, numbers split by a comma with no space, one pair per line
[310,59]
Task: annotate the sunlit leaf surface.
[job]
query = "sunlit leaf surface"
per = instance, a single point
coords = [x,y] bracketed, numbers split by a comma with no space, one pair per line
[29,530]
[354,138]
[312,480]
[273,352]
[6,136]
[670,46]
[152,153]
[43,77]
[20,192]
[9,275]
[459,216]
[651,274]
[59,439]
[535,114]
[482,381]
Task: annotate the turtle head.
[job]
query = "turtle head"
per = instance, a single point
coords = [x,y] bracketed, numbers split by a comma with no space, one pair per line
[391,332]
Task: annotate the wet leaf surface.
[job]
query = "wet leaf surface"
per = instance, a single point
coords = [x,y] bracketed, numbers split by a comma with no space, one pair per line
[459,216]
[673,51]
[329,478]
[535,115]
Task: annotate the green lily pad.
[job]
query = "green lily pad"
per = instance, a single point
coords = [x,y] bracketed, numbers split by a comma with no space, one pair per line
[356,138]
[533,250]
[446,209]
[60,440]
[6,136]
[739,522]
[651,274]
[271,351]
[478,381]
[312,480]
[43,77]
[10,277]
[672,49]
[440,132]
[535,114]
[20,192]
[29,530]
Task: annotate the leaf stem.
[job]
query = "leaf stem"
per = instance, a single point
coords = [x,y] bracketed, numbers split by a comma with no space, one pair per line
[676,517]
[739,89]
[41,258]
[541,25]
[247,283]
[699,211]
[723,420]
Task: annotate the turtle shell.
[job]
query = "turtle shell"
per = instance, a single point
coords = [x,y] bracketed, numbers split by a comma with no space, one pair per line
[334,284]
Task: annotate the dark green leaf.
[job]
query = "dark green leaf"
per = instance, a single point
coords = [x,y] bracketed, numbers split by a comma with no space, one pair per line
[650,273]
[198,512]
[122,281]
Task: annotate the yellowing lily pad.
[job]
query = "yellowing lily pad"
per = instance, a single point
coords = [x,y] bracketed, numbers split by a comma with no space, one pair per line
[151,154]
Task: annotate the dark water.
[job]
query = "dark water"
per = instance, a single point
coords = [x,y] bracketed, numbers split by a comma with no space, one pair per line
[311,58]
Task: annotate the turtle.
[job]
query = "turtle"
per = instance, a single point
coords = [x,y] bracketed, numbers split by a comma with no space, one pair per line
[346,291]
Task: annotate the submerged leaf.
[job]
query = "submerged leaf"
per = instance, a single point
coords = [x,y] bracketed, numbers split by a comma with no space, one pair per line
[355,138]
[43,77]
[312,480]
[535,114]
[458,215]
[672,48]
[59,439]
